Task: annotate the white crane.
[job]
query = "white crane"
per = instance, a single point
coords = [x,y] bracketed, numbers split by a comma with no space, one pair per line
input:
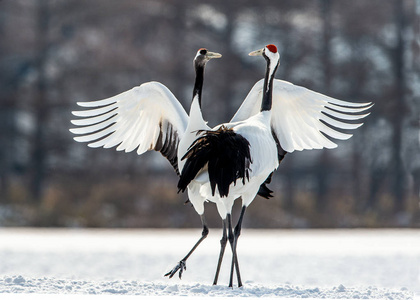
[148,117]
[233,160]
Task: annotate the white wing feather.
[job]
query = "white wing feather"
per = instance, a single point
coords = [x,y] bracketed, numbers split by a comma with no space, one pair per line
[301,118]
[147,117]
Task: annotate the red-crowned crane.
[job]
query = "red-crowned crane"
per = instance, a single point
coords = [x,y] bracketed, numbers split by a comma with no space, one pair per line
[234,160]
[148,117]
[230,161]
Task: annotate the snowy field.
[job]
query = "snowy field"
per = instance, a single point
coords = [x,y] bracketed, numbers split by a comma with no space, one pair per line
[129,264]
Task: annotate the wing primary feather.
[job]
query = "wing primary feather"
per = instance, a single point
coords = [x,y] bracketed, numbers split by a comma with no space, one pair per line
[332,132]
[94,120]
[330,121]
[94,112]
[98,103]
[93,128]
[346,103]
[342,116]
[348,109]
[315,133]
[110,100]
[103,141]
[95,136]
[94,144]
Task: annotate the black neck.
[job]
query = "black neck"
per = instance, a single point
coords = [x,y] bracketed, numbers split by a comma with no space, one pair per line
[198,85]
[268,88]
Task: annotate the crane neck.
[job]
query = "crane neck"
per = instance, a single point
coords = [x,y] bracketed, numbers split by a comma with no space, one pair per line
[196,120]
[267,100]
[198,85]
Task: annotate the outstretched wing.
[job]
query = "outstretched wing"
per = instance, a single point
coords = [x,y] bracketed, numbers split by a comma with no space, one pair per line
[147,117]
[304,119]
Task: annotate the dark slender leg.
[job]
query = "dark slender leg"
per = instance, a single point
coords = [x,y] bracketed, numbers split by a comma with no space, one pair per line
[181,265]
[235,263]
[237,233]
[223,242]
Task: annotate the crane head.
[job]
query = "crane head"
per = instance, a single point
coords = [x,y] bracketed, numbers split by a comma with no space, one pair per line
[203,56]
[269,52]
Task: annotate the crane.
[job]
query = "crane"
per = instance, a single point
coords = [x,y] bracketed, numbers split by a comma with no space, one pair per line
[233,160]
[149,117]
[230,161]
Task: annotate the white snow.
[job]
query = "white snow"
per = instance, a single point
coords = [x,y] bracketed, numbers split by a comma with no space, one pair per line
[312,264]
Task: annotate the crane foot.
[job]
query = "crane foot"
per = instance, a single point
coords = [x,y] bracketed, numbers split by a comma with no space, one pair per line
[181,266]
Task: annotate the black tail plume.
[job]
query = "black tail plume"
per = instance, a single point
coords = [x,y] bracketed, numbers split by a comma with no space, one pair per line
[224,153]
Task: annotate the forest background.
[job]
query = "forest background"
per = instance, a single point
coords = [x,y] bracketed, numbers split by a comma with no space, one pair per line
[54,53]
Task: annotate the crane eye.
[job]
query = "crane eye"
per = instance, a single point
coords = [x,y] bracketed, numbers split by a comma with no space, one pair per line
[203,51]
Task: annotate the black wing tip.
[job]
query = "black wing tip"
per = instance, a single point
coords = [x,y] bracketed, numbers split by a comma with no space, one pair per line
[265,192]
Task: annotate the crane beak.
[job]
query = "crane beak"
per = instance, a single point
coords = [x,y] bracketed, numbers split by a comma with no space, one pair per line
[211,55]
[257,52]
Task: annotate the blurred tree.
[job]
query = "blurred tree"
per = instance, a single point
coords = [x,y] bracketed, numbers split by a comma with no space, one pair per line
[39,152]
[399,110]
[15,68]
[394,108]
[322,164]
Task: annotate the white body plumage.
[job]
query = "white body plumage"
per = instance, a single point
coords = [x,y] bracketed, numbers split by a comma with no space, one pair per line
[195,124]
[256,130]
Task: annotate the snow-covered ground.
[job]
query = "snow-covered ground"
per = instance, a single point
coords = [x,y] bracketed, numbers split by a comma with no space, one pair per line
[332,264]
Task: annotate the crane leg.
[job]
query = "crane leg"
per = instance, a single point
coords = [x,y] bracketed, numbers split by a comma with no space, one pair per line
[181,266]
[223,243]
[235,236]
[233,240]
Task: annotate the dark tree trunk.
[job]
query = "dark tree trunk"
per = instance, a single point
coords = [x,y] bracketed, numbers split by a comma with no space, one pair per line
[397,169]
[321,173]
[39,150]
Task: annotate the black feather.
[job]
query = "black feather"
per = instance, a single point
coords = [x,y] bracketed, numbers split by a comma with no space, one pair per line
[167,144]
[226,155]
[264,191]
